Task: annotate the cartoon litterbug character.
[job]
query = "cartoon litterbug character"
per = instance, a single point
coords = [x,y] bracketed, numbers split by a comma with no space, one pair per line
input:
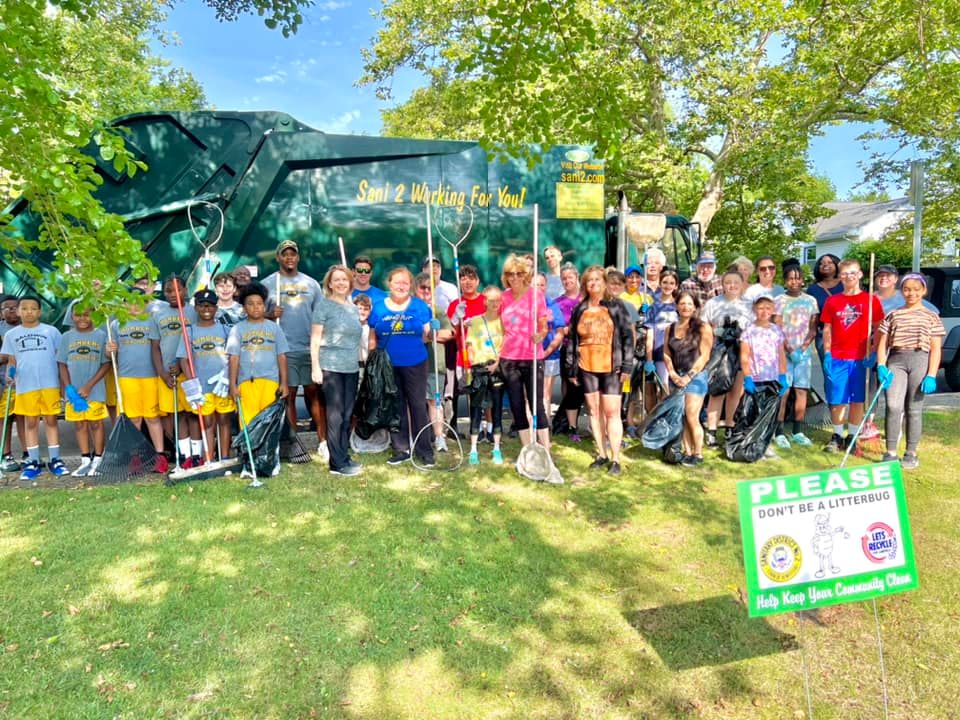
[823,544]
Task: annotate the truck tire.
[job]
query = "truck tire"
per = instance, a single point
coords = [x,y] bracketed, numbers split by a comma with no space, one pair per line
[951,373]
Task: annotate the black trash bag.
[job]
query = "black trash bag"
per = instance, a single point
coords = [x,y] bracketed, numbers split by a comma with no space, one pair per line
[378,404]
[665,422]
[560,425]
[755,422]
[724,361]
[673,451]
[264,432]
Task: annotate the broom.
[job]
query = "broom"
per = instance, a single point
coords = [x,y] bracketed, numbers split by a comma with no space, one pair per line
[127,454]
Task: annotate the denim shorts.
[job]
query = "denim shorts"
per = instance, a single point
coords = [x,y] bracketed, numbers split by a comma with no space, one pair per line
[697,385]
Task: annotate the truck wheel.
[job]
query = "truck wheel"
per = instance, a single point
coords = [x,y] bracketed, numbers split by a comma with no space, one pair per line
[951,374]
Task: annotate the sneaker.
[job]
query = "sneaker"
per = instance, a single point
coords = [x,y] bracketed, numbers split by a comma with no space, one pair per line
[161,465]
[782,442]
[691,461]
[574,437]
[889,457]
[187,464]
[836,442]
[8,464]
[323,452]
[770,454]
[474,458]
[801,440]
[614,469]
[31,471]
[398,458]
[94,470]
[910,461]
[348,470]
[57,467]
[196,461]
[710,438]
[497,457]
[441,444]
[598,463]
[427,462]
[84,468]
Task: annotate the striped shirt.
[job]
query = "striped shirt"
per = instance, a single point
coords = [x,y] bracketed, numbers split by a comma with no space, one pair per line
[911,329]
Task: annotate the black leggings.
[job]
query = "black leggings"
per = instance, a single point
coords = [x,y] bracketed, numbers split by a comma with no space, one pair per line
[341,394]
[518,376]
[411,392]
[496,411]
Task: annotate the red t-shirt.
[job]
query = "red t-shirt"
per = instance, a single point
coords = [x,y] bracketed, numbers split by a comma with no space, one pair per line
[847,317]
[475,307]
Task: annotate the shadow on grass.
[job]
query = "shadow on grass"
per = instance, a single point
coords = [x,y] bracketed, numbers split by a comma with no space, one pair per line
[713,631]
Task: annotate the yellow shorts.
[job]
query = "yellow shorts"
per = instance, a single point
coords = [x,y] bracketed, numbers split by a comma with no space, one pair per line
[140,398]
[111,388]
[38,402]
[96,411]
[215,404]
[165,395]
[12,392]
[255,395]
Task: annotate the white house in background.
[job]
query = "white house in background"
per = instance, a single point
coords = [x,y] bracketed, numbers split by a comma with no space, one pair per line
[854,222]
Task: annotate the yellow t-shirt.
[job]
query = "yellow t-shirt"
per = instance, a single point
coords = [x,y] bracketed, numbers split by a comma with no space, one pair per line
[484,340]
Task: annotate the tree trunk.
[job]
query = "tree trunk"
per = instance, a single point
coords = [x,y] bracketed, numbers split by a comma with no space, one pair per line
[710,202]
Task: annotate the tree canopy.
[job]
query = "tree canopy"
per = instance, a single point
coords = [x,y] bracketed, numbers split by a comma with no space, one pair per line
[696,106]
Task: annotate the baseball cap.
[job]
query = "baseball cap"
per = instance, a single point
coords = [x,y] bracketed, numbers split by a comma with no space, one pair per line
[707,258]
[426,261]
[633,269]
[288,245]
[887,269]
[208,297]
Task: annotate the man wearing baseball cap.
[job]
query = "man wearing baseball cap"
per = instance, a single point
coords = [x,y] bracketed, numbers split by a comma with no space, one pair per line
[705,284]
[292,301]
[887,278]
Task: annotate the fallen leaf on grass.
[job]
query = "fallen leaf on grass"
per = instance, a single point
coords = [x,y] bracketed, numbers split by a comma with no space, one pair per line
[200,696]
[73,610]
[46,613]
[37,562]
[115,645]
[12,647]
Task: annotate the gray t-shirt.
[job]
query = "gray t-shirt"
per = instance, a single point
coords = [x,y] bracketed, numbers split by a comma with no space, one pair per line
[84,353]
[757,290]
[209,347]
[718,309]
[299,295]
[166,329]
[35,350]
[134,351]
[340,346]
[258,345]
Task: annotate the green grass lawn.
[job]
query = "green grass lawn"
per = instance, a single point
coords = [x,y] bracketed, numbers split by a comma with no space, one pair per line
[475,594]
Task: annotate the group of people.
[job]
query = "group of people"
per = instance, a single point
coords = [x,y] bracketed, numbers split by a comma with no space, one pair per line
[619,342]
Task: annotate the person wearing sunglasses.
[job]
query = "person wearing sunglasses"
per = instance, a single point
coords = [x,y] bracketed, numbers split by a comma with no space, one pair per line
[362,274]
[765,285]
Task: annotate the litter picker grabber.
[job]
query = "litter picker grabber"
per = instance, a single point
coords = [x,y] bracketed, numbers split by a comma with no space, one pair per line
[452,456]
[455,246]
[210,468]
[534,461]
[6,409]
[209,216]
[127,453]
[254,483]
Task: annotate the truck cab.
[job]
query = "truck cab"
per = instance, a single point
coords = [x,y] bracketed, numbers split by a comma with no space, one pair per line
[943,290]
[629,234]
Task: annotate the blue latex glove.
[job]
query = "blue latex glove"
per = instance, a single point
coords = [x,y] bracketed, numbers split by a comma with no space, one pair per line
[749,385]
[884,375]
[649,367]
[784,384]
[928,385]
[797,356]
[79,403]
[435,325]
[869,361]
[644,309]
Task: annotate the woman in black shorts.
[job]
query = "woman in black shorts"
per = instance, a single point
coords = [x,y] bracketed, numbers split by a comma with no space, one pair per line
[686,352]
[602,350]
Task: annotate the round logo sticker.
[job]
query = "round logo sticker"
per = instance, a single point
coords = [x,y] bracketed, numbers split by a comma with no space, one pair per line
[879,543]
[780,558]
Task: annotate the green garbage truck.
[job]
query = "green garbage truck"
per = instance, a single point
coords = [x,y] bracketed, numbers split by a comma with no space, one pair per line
[273,178]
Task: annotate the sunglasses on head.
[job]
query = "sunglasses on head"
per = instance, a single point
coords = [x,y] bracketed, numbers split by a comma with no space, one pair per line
[363,271]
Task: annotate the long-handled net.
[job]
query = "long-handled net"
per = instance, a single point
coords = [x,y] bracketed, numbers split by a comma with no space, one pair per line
[534,461]
[447,450]
[127,454]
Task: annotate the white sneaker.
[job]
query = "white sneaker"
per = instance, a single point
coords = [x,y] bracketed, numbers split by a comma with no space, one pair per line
[323,452]
[84,467]
[782,442]
[441,444]
[94,467]
[801,440]
[769,454]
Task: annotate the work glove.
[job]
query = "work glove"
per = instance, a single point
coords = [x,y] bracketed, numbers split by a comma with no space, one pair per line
[221,384]
[193,391]
[649,367]
[784,384]
[79,402]
[885,376]
[461,311]
[928,385]
[749,385]
[869,361]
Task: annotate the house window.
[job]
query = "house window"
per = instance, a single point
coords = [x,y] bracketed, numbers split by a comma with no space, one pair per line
[809,254]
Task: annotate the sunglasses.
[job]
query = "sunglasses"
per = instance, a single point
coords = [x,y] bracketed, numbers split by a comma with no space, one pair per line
[767,268]
[424,287]
[511,273]
[363,271]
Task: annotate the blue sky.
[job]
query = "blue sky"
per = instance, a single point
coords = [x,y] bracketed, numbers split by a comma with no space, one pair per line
[242,65]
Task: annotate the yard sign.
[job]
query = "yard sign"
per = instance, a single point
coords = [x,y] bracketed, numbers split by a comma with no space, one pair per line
[823,538]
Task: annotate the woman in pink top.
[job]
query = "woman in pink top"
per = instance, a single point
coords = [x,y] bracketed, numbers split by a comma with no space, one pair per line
[524,328]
